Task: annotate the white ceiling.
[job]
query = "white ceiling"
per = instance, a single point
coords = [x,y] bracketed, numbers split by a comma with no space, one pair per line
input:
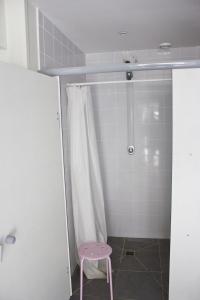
[94,24]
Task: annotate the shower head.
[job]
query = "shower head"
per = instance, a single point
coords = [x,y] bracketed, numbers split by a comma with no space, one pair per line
[129,75]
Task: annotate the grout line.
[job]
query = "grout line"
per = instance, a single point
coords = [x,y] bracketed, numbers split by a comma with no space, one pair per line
[141,263]
[115,283]
[122,251]
[159,283]
[138,271]
[126,298]
[161,270]
[87,282]
[148,246]
[84,282]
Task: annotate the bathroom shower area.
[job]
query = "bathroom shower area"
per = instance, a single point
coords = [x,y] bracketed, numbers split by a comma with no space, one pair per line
[132,123]
[100,146]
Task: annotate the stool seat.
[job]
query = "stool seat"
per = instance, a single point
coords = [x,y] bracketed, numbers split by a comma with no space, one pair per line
[94,251]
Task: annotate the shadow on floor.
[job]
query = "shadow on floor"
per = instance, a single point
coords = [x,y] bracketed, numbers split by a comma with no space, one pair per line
[140,272]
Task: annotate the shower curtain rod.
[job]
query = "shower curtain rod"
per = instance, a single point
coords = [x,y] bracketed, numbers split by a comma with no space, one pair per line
[117,81]
[109,68]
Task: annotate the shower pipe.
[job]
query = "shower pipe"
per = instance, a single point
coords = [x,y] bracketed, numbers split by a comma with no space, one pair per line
[109,68]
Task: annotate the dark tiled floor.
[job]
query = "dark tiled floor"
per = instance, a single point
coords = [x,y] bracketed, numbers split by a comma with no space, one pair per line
[141,276]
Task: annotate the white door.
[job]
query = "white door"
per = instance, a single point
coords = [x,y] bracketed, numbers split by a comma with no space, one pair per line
[32,199]
[185,225]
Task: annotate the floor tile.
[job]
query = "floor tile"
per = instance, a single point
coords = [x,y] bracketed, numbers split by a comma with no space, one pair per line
[131,263]
[115,260]
[137,286]
[149,257]
[164,254]
[165,282]
[142,276]
[116,242]
[97,288]
[135,244]
[165,297]
[76,280]
[165,277]
[117,248]
[157,276]
[164,245]
[77,297]
[164,262]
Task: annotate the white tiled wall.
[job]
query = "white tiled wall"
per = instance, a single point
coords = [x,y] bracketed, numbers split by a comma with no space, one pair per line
[137,188]
[56,50]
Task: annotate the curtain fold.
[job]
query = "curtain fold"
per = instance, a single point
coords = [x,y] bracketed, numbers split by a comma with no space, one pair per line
[86,183]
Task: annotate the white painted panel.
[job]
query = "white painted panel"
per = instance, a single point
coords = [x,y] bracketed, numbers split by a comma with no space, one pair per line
[2,25]
[32,23]
[185,226]
[16,35]
[32,200]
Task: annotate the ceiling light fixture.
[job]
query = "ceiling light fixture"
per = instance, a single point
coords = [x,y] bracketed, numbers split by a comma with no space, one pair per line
[123,32]
[165,48]
[165,45]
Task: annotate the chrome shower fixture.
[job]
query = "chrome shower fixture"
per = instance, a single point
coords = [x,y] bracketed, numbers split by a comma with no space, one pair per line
[130,111]
[130,114]
[131,150]
[129,75]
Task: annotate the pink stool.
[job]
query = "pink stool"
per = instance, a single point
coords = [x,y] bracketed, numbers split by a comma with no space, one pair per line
[95,251]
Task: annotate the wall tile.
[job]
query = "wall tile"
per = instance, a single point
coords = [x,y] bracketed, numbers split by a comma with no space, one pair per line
[48,26]
[41,39]
[42,60]
[48,44]
[57,50]
[49,62]
[41,20]
[60,51]
[137,188]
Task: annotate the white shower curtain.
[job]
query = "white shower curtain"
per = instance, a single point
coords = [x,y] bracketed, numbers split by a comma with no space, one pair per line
[86,184]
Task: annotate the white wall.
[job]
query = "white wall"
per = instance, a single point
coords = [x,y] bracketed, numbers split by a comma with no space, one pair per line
[32,28]
[2,25]
[35,42]
[32,196]
[16,37]
[137,188]
[55,50]
[185,229]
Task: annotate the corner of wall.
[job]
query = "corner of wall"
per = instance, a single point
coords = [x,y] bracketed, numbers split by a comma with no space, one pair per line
[32,34]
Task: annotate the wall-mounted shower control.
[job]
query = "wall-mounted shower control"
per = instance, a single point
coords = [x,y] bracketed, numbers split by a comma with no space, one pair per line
[131,149]
[10,239]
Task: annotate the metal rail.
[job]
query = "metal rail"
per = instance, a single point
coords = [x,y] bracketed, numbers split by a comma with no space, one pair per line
[109,68]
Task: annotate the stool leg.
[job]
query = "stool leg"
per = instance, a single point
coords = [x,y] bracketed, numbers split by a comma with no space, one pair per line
[110,274]
[107,271]
[81,279]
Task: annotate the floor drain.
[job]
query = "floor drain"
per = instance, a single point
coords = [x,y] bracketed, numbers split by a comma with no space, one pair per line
[129,253]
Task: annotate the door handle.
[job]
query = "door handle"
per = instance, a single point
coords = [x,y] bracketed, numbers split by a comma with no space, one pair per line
[10,239]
